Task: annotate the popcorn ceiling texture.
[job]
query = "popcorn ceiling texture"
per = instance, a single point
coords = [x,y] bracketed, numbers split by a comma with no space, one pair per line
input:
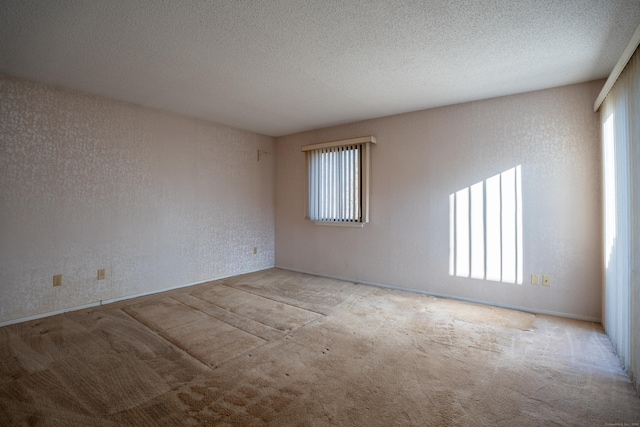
[422,157]
[158,200]
[257,64]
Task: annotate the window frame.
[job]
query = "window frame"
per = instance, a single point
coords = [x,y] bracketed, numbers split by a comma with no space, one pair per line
[363,177]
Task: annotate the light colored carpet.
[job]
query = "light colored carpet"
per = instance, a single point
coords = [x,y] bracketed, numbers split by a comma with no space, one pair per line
[282,348]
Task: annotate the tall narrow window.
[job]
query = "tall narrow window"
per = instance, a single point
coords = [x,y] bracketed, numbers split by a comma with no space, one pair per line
[485,229]
[338,181]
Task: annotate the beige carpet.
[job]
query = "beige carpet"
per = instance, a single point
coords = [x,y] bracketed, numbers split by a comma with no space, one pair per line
[281,348]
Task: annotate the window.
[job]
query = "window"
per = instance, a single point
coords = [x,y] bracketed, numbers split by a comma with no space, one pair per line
[620,118]
[485,229]
[338,181]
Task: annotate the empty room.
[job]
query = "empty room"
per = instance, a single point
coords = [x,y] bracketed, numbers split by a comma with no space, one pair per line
[319,213]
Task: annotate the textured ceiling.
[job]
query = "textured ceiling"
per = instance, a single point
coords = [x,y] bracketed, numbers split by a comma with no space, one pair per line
[282,66]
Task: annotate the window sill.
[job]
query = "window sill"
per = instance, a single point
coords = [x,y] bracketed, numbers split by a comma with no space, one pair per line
[340,224]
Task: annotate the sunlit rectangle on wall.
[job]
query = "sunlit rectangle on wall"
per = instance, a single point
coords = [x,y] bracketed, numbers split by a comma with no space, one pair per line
[485,229]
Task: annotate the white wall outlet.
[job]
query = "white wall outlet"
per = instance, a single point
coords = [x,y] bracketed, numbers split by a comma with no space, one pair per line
[535,279]
[546,280]
[57,280]
[101,274]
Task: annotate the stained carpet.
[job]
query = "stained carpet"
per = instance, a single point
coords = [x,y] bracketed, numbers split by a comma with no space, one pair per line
[282,348]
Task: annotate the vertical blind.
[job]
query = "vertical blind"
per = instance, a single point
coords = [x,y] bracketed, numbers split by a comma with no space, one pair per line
[338,181]
[334,183]
[620,117]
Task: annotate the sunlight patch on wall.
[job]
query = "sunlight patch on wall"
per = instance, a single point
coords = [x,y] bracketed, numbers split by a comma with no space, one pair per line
[485,229]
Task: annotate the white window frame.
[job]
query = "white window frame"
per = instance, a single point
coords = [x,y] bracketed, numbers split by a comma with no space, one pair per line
[315,189]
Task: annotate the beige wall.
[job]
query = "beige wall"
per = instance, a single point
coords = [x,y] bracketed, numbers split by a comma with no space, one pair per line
[161,200]
[423,157]
[158,200]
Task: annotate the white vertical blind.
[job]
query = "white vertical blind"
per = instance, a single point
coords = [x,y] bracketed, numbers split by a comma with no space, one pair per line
[338,181]
[452,234]
[334,176]
[620,117]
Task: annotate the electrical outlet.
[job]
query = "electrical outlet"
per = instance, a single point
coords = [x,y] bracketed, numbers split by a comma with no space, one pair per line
[255,250]
[535,279]
[101,274]
[57,280]
[546,280]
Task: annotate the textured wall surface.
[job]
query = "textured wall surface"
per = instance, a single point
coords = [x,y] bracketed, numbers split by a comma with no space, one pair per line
[423,157]
[158,200]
